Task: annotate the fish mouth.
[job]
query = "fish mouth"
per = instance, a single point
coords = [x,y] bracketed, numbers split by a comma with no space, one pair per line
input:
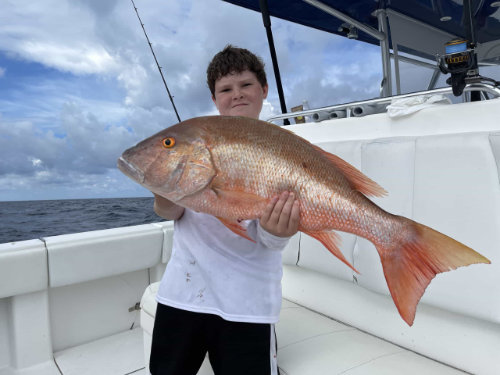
[130,170]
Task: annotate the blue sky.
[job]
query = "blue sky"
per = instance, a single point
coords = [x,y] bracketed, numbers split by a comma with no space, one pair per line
[78,84]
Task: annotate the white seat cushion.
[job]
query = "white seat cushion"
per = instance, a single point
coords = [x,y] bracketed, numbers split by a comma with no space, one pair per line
[310,343]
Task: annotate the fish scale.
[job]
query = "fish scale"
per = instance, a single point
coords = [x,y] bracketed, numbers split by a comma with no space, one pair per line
[256,165]
[254,157]
[284,156]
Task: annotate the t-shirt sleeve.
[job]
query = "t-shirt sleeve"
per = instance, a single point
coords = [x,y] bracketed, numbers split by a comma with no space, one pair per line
[269,240]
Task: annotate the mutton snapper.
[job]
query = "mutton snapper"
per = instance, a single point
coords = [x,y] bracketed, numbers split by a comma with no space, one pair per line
[231,167]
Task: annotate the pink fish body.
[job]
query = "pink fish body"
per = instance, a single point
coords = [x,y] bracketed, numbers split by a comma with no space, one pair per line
[231,167]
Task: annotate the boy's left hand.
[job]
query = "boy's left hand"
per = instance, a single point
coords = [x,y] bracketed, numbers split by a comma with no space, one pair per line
[281,216]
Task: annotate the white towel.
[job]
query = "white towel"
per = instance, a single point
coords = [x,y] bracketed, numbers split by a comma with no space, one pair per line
[407,106]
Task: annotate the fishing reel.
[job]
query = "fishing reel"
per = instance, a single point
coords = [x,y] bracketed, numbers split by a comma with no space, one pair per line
[460,60]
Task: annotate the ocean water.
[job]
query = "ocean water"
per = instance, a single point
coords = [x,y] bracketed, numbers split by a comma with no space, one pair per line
[25,220]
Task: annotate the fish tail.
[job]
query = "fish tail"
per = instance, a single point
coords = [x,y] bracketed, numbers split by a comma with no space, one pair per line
[412,261]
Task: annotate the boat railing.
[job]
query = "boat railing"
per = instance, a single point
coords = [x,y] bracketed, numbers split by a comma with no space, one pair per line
[377,105]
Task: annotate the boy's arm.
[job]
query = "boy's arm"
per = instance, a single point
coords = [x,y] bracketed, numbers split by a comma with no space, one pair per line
[167,209]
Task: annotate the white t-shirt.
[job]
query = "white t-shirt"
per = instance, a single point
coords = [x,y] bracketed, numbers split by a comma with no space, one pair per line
[213,270]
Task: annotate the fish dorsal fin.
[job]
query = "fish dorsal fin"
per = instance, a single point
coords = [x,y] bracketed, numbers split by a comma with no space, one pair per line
[235,227]
[356,178]
[331,241]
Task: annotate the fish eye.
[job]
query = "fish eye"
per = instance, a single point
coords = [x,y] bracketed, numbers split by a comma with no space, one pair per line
[168,142]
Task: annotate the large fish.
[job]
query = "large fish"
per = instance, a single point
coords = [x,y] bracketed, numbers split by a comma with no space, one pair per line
[231,167]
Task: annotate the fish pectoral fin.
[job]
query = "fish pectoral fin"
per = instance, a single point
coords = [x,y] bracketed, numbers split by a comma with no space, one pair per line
[356,178]
[331,241]
[235,227]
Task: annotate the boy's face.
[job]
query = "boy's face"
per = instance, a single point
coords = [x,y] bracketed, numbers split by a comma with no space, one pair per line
[239,94]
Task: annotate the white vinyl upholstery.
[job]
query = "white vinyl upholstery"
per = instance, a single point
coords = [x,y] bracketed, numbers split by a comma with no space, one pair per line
[72,257]
[23,267]
[457,192]
[321,345]
[459,341]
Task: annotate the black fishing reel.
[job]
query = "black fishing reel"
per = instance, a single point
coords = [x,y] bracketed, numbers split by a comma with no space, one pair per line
[460,60]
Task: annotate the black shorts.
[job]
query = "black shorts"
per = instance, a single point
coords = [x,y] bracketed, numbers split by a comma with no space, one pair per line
[181,340]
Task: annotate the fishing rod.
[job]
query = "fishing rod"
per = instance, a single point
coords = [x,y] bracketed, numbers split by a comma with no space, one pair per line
[156,60]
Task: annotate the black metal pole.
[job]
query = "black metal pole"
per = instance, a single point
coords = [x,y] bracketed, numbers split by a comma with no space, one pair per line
[267,24]
[470,35]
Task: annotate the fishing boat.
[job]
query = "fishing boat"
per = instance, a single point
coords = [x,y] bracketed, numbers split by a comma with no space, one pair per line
[83,303]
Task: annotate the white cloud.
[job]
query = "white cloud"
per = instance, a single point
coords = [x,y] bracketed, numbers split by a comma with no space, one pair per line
[36,162]
[48,32]
[99,90]
[84,59]
[268,110]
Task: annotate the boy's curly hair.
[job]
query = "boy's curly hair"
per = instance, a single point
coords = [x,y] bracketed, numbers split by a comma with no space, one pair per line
[234,60]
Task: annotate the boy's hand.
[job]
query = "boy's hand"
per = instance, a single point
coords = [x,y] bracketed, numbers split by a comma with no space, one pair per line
[281,216]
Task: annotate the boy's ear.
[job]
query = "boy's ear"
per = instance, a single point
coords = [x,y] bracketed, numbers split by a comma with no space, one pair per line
[215,102]
[265,89]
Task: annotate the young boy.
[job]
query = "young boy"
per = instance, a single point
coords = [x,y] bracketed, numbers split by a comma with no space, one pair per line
[221,293]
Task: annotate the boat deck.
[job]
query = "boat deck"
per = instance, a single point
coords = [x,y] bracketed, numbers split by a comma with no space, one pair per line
[120,354]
